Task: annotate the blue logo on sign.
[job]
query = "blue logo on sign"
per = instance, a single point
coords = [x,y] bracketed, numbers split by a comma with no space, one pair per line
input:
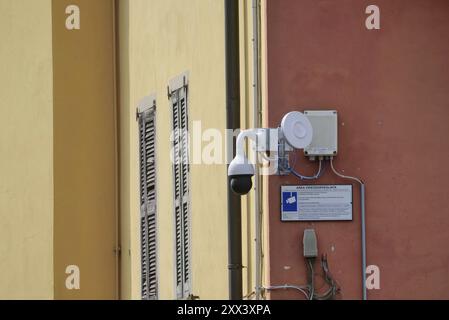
[289,201]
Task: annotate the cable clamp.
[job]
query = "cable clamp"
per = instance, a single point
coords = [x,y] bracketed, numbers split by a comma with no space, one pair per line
[235,266]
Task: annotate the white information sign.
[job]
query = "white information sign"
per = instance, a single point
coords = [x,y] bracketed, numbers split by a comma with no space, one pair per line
[316,203]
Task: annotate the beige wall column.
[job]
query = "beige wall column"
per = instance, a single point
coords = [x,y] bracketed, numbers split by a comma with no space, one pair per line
[85,150]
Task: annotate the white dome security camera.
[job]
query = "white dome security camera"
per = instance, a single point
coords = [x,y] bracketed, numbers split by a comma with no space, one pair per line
[241,171]
[295,129]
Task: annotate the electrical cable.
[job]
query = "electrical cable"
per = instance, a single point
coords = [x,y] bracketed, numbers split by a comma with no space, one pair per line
[311,277]
[249,295]
[297,174]
[301,289]
[363,224]
[342,175]
[323,170]
[290,167]
[302,177]
[309,290]
[334,288]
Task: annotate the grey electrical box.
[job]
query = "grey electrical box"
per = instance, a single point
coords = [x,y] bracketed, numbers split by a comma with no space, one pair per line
[310,244]
[325,133]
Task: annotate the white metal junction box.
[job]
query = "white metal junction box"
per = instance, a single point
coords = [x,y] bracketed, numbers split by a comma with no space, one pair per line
[325,133]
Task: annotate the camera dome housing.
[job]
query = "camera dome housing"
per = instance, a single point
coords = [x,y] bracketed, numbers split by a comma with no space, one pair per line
[240,172]
[241,184]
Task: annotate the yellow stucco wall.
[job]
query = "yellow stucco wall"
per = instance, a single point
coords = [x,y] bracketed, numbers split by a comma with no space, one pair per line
[26,150]
[247,121]
[158,41]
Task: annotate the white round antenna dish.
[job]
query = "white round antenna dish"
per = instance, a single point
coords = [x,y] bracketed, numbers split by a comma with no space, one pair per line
[297,129]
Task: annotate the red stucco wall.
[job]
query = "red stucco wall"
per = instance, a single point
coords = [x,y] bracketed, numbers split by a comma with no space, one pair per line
[391,89]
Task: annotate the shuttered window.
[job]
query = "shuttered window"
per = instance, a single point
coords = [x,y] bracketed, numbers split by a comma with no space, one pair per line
[148,221]
[180,148]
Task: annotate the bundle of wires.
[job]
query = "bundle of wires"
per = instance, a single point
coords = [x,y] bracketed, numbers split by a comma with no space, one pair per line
[321,170]
[333,289]
[309,290]
[302,177]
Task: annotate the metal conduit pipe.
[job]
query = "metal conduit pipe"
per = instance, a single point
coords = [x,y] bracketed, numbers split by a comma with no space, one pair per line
[233,122]
[362,224]
[256,124]
[363,227]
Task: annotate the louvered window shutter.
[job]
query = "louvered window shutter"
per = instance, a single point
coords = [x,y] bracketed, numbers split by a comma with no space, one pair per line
[181,191]
[148,223]
[185,190]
